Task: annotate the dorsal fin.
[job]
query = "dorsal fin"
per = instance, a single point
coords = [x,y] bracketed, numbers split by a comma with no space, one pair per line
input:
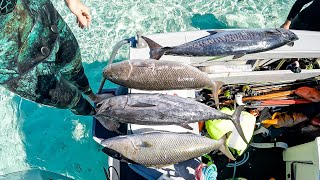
[212,32]
[151,43]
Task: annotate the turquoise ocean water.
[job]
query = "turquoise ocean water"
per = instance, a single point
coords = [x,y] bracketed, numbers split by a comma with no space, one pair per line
[36,136]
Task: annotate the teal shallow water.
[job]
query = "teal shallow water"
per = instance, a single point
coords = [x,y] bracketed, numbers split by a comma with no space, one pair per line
[56,140]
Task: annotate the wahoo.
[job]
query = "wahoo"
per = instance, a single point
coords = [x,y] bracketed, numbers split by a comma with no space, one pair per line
[161,109]
[225,43]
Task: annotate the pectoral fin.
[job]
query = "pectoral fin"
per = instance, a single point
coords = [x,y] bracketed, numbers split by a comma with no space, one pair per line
[145,144]
[186,126]
[212,32]
[290,44]
[238,56]
[216,86]
[141,104]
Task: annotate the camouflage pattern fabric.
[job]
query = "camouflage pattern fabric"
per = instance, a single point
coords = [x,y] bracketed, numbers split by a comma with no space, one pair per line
[6,6]
[40,58]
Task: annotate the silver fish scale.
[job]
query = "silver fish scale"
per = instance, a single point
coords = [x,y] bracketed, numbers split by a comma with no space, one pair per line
[164,75]
[157,109]
[171,148]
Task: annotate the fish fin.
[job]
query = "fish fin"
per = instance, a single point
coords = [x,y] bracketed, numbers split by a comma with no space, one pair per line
[151,43]
[238,56]
[212,32]
[156,50]
[272,32]
[290,44]
[225,150]
[145,144]
[141,104]
[216,86]
[184,125]
[116,155]
[144,64]
[236,122]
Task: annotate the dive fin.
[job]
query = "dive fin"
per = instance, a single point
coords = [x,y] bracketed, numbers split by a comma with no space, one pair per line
[141,104]
[225,150]
[238,56]
[236,122]
[156,50]
[290,44]
[186,126]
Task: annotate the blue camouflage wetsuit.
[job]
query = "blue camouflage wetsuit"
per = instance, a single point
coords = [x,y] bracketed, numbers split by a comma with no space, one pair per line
[308,18]
[39,56]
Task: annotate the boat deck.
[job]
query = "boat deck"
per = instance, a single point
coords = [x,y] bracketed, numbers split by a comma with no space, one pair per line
[231,72]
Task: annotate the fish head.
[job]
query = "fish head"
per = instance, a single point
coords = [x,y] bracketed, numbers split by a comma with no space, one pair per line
[117,71]
[288,35]
[108,107]
[120,146]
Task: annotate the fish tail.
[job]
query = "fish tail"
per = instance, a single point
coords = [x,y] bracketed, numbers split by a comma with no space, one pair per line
[156,50]
[215,91]
[236,121]
[216,86]
[225,150]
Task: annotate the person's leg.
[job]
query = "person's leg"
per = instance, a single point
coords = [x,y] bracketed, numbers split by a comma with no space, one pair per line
[69,62]
[306,20]
[298,24]
[44,85]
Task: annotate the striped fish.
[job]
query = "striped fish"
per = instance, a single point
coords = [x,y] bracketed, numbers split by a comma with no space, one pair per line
[225,43]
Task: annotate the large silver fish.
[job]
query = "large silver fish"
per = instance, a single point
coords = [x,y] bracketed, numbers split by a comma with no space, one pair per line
[225,43]
[162,148]
[161,109]
[149,74]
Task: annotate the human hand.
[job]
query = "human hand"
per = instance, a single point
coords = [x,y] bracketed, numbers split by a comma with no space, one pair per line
[80,11]
[286,25]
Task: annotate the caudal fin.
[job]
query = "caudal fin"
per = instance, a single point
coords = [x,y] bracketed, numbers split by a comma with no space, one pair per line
[215,88]
[215,92]
[236,122]
[225,150]
[156,50]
